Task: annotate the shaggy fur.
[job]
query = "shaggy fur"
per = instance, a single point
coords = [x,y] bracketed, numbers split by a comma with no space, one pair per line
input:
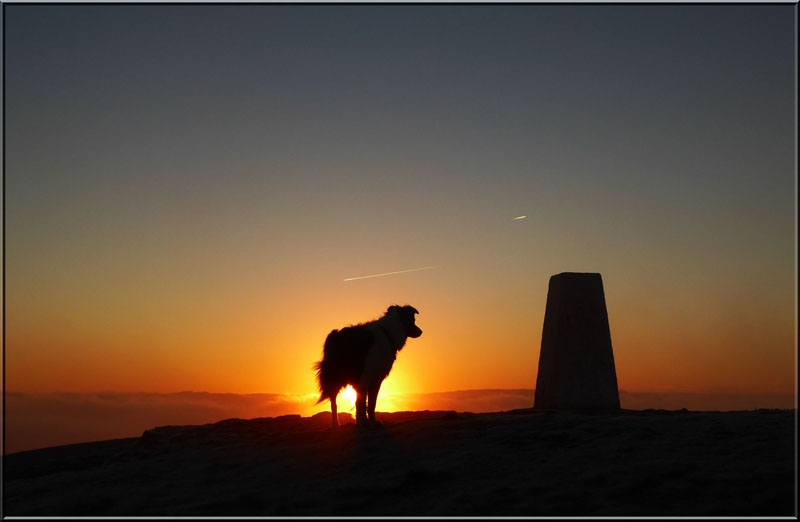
[362,356]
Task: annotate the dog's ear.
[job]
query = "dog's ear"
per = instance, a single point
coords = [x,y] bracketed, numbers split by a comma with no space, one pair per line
[393,307]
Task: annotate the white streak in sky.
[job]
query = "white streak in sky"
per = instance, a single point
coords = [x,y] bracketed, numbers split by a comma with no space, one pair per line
[389,273]
[520,217]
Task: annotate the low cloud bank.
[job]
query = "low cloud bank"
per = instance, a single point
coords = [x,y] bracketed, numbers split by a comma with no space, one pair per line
[40,420]
[705,401]
[476,401]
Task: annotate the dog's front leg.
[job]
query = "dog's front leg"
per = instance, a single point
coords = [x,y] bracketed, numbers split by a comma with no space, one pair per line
[373,401]
[334,414]
[361,407]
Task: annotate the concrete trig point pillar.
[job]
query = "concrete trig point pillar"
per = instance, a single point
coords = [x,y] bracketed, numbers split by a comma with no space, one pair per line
[576,363]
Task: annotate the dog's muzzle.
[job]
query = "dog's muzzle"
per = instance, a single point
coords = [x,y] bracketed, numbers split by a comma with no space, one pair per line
[416,333]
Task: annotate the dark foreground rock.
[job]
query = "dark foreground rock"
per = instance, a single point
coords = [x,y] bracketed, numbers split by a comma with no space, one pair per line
[523,462]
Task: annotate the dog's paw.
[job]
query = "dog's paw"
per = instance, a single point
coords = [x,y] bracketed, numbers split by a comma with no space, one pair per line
[372,425]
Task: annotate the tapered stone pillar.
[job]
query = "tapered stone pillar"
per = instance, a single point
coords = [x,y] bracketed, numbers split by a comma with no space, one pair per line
[576,362]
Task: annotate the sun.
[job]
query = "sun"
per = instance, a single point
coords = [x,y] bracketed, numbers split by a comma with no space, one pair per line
[347,398]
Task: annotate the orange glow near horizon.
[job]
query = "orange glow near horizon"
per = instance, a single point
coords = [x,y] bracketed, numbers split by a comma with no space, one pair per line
[466,344]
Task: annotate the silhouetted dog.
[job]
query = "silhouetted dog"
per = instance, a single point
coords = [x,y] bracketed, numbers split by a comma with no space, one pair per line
[362,356]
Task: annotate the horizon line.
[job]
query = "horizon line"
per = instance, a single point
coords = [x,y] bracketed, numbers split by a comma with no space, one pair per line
[315,393]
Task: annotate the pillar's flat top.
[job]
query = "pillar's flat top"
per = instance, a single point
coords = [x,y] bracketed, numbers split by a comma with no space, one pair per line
[577,274]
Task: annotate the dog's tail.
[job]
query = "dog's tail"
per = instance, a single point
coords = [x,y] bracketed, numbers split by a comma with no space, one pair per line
[325,371]
[320,379]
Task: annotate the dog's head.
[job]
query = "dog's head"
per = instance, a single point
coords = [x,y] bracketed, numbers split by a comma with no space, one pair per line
[406,315]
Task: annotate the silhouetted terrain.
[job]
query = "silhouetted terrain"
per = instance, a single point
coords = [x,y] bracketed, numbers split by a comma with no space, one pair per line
[521,462]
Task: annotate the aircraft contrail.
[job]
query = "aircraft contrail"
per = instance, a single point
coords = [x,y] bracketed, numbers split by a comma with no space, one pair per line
[520,217]
[389,273]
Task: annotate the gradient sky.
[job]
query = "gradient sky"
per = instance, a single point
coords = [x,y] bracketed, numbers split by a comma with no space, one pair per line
[187,187]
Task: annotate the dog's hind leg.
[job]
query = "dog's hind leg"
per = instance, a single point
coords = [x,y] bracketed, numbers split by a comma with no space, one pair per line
[361,407]
[334,414]
[372,396]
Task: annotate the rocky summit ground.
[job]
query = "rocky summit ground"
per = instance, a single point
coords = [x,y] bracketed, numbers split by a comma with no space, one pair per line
[517,463]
